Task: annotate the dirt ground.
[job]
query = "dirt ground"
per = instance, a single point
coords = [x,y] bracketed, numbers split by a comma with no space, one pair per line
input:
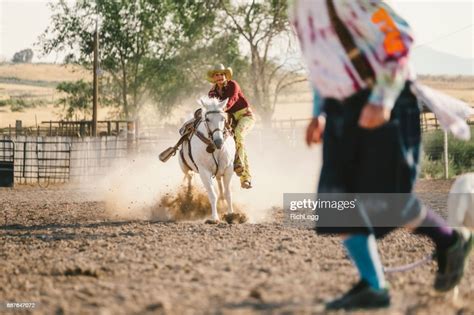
[62,251]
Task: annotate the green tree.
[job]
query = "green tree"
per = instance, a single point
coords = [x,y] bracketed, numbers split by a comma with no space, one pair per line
[23,56]
[77,99]
[183,75]
[264,25]
[134,35]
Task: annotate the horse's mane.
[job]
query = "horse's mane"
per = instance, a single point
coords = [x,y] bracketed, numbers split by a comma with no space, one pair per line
[210,103]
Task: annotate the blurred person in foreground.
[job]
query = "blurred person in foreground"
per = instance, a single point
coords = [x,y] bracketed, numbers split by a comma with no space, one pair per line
[366,114]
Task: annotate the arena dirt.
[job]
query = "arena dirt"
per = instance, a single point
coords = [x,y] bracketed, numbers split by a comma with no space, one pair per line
[61,249]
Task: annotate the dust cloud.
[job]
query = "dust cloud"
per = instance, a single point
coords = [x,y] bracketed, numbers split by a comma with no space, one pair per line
[144,188]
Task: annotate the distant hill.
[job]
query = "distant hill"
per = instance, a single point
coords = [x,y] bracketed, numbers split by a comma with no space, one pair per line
[430,61]
[41,73]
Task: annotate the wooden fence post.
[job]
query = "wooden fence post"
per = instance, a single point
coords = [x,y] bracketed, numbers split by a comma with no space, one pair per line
[130,136]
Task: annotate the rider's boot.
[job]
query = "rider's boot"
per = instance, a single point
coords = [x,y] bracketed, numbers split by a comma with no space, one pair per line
[245,179]
[246,184]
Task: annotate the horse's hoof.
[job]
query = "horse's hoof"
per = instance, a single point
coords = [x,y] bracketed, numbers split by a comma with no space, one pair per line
[211,221]
[235,217]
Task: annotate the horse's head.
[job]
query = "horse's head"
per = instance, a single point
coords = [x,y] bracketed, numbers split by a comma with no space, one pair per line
[215,118]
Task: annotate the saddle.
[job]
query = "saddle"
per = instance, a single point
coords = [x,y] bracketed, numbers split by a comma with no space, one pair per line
[187,131]
[191,125]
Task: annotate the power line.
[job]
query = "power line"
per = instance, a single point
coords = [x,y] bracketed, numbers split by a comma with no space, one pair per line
[444,36]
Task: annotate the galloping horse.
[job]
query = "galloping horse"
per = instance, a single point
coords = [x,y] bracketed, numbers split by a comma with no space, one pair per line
[210,151]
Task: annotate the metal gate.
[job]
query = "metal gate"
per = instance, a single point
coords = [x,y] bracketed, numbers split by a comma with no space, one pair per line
[7,163]
[49,160]
[54,159]
[42,160]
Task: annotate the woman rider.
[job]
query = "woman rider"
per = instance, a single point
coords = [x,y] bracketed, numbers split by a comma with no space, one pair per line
[237,106]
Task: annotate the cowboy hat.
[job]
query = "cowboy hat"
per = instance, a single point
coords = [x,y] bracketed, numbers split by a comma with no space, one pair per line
[219,69]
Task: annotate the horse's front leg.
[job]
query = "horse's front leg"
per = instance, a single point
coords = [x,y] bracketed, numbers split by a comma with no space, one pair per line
[220,186]
[189,179]
[211,192]
[228,194]
[221,198]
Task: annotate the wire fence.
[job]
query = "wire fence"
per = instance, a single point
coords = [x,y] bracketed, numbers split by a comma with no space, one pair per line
[27,159]
[46,160]
[67,128]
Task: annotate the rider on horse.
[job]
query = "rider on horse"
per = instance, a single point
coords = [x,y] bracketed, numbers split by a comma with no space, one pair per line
[240,114]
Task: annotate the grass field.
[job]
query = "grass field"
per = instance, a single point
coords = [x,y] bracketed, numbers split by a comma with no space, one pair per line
[36,83]
[43,72]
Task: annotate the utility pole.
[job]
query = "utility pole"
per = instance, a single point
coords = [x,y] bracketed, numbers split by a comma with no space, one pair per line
[95,80]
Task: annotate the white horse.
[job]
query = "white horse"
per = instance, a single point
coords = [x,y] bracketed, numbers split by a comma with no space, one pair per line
[210,152]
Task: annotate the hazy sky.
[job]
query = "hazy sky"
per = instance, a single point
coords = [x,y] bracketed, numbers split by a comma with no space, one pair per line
[444,25]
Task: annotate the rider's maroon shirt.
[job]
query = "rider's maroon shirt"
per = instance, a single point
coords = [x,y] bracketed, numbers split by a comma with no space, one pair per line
[232,91]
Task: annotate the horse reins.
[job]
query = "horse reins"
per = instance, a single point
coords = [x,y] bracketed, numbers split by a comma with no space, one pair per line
[211,133]
[207,140]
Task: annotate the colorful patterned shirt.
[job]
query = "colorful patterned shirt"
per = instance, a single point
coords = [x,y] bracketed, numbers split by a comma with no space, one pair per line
[381,35]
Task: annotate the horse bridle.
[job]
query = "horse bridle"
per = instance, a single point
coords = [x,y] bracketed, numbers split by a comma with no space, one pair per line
[210,133]
[209,140]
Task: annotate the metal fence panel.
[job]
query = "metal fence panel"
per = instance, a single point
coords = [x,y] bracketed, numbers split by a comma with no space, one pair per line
[7,165]
[58,159]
